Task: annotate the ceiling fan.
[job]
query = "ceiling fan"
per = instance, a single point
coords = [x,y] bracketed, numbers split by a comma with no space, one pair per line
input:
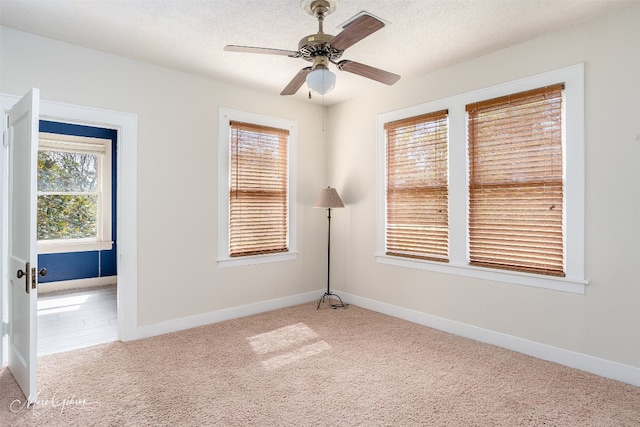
[321,49]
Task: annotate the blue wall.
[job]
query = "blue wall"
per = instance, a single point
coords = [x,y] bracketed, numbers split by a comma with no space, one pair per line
[83,265]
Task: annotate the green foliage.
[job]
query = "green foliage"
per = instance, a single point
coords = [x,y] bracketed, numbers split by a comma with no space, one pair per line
[67,209]
[67,217]
[60,171]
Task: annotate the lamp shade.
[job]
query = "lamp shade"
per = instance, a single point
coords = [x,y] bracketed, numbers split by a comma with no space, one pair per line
[321,80]
[328,198]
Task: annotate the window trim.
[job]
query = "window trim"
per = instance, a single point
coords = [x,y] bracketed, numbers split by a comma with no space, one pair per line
[574,164]
[104,240]
[224,259]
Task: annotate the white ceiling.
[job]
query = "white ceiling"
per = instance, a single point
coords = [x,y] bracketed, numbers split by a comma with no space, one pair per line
[189,35]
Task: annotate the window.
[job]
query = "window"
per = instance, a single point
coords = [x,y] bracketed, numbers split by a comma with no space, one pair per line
[417,187]
[256,185]
[74,193]
[515,183]
[258,193]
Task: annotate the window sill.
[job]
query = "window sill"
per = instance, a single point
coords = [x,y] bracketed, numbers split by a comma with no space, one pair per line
[73,246]
[256,259]
[564,284]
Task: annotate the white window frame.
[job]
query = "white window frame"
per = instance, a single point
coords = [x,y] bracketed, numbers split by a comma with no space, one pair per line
[574,183]
[103,239]
[225,117]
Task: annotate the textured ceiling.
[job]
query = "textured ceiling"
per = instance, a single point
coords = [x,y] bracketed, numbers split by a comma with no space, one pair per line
[189,35]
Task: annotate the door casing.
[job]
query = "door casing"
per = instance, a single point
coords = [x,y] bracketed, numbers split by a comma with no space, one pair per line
[127,126]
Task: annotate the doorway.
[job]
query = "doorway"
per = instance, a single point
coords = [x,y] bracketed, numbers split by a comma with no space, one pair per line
[76,230]
[126,125]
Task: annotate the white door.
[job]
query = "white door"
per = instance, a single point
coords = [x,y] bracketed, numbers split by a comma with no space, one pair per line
[22,249]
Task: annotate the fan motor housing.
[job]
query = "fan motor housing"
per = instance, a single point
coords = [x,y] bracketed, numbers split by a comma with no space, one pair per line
[318,45]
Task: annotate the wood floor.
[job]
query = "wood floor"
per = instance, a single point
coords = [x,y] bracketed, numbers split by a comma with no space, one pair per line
[68,320]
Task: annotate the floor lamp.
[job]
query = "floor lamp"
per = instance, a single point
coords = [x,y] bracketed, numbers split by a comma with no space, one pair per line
[329,199]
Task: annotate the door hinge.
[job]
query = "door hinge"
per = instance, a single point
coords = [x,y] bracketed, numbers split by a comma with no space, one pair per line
[5,133]
[5,328]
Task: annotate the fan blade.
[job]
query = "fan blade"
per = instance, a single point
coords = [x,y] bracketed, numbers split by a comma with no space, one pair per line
[368,72]
[296,82]
[356,31]
[265,50]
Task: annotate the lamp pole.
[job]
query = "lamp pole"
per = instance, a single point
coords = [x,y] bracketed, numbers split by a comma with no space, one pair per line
[328,251]
[328,295]
[329,199]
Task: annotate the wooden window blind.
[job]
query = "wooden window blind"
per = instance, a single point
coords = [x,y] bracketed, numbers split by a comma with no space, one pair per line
[258,194]
[516,182]
[417,209]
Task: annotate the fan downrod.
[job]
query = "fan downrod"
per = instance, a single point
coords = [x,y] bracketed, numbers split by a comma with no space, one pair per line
[317,45]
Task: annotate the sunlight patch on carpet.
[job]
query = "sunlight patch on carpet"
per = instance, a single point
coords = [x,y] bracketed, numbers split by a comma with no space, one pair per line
[281,338]
[292,340]
[295,355]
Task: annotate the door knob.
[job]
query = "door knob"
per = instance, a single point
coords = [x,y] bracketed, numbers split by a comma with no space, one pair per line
[42,272]
[20,274]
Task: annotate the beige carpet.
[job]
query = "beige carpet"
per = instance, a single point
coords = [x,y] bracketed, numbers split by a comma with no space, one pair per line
[302,367]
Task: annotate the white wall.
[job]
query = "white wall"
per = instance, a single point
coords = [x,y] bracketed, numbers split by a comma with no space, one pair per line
[177,173]
[604,323]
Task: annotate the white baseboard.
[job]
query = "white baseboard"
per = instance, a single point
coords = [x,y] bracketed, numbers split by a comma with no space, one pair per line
[605,368]
[225,314]
[93,282]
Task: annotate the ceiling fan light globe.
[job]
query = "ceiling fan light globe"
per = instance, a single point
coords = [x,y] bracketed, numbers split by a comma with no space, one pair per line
[321,81]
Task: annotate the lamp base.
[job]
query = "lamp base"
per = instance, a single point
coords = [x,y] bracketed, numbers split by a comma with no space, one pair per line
[328,296]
